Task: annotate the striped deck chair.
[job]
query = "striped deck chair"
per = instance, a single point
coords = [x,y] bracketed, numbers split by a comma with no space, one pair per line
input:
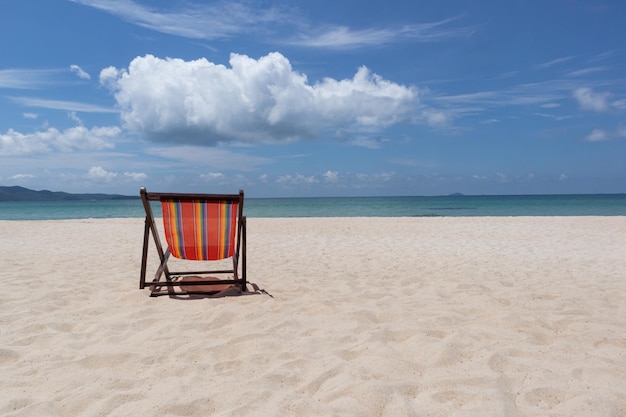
[197,227]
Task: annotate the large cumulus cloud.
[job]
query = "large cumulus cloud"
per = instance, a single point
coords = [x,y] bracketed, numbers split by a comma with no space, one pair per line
[251,101]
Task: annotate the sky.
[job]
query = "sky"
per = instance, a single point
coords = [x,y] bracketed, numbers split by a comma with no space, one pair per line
[323,98]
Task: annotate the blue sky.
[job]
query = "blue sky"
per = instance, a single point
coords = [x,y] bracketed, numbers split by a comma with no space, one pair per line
[324,98]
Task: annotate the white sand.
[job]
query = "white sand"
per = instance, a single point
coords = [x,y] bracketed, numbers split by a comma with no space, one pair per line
[370,317]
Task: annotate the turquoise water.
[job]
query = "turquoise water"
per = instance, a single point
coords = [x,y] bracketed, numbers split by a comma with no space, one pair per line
[446,206]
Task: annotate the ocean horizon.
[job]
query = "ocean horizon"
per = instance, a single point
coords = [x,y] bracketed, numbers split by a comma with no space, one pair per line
[404,206]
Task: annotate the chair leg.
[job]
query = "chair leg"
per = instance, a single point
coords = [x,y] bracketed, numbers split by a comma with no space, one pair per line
[144,255]
[163,267]
[243,256]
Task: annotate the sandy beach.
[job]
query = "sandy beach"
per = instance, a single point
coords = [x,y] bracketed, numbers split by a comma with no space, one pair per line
[393,317]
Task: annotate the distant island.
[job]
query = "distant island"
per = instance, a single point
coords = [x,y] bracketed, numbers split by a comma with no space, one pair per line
[16,193]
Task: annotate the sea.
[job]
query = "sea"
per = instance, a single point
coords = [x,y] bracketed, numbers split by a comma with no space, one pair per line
[429,206]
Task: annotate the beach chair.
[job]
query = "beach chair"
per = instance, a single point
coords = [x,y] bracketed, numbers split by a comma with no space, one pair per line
[197,227]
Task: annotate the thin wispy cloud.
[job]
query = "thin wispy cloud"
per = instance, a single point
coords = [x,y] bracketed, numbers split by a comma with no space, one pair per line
[605,55]
[547,94]
[216,158]
[212,21]
[27,79]
[553,62]
[586,71]
[19,177]
[225,19]
[483,104]
[619,104]
[62,105]
[484,100]
[345,37]
[365,142]
[342,36]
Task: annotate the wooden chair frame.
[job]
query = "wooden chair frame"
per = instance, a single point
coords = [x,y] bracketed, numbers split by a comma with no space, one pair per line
[172,277]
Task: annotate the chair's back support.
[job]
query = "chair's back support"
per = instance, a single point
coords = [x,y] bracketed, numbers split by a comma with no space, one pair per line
[200,230]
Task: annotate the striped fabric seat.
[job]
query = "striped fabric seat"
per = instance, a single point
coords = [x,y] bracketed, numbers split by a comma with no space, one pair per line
[200,230]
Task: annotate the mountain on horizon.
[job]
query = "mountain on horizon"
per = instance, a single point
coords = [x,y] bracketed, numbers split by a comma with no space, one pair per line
[17,193]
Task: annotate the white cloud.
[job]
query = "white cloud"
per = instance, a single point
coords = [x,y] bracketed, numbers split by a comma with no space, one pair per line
[502,177]
[212,176]
[296,179]
[597,135]
[20,177]
[588,100]
[29,115]
[74,117]
[435,117]
[70,140]
[366,142]
[253,101]
[136,176]
[384,176]
[100,174]
[79,71]
[109,76]
[331,176]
